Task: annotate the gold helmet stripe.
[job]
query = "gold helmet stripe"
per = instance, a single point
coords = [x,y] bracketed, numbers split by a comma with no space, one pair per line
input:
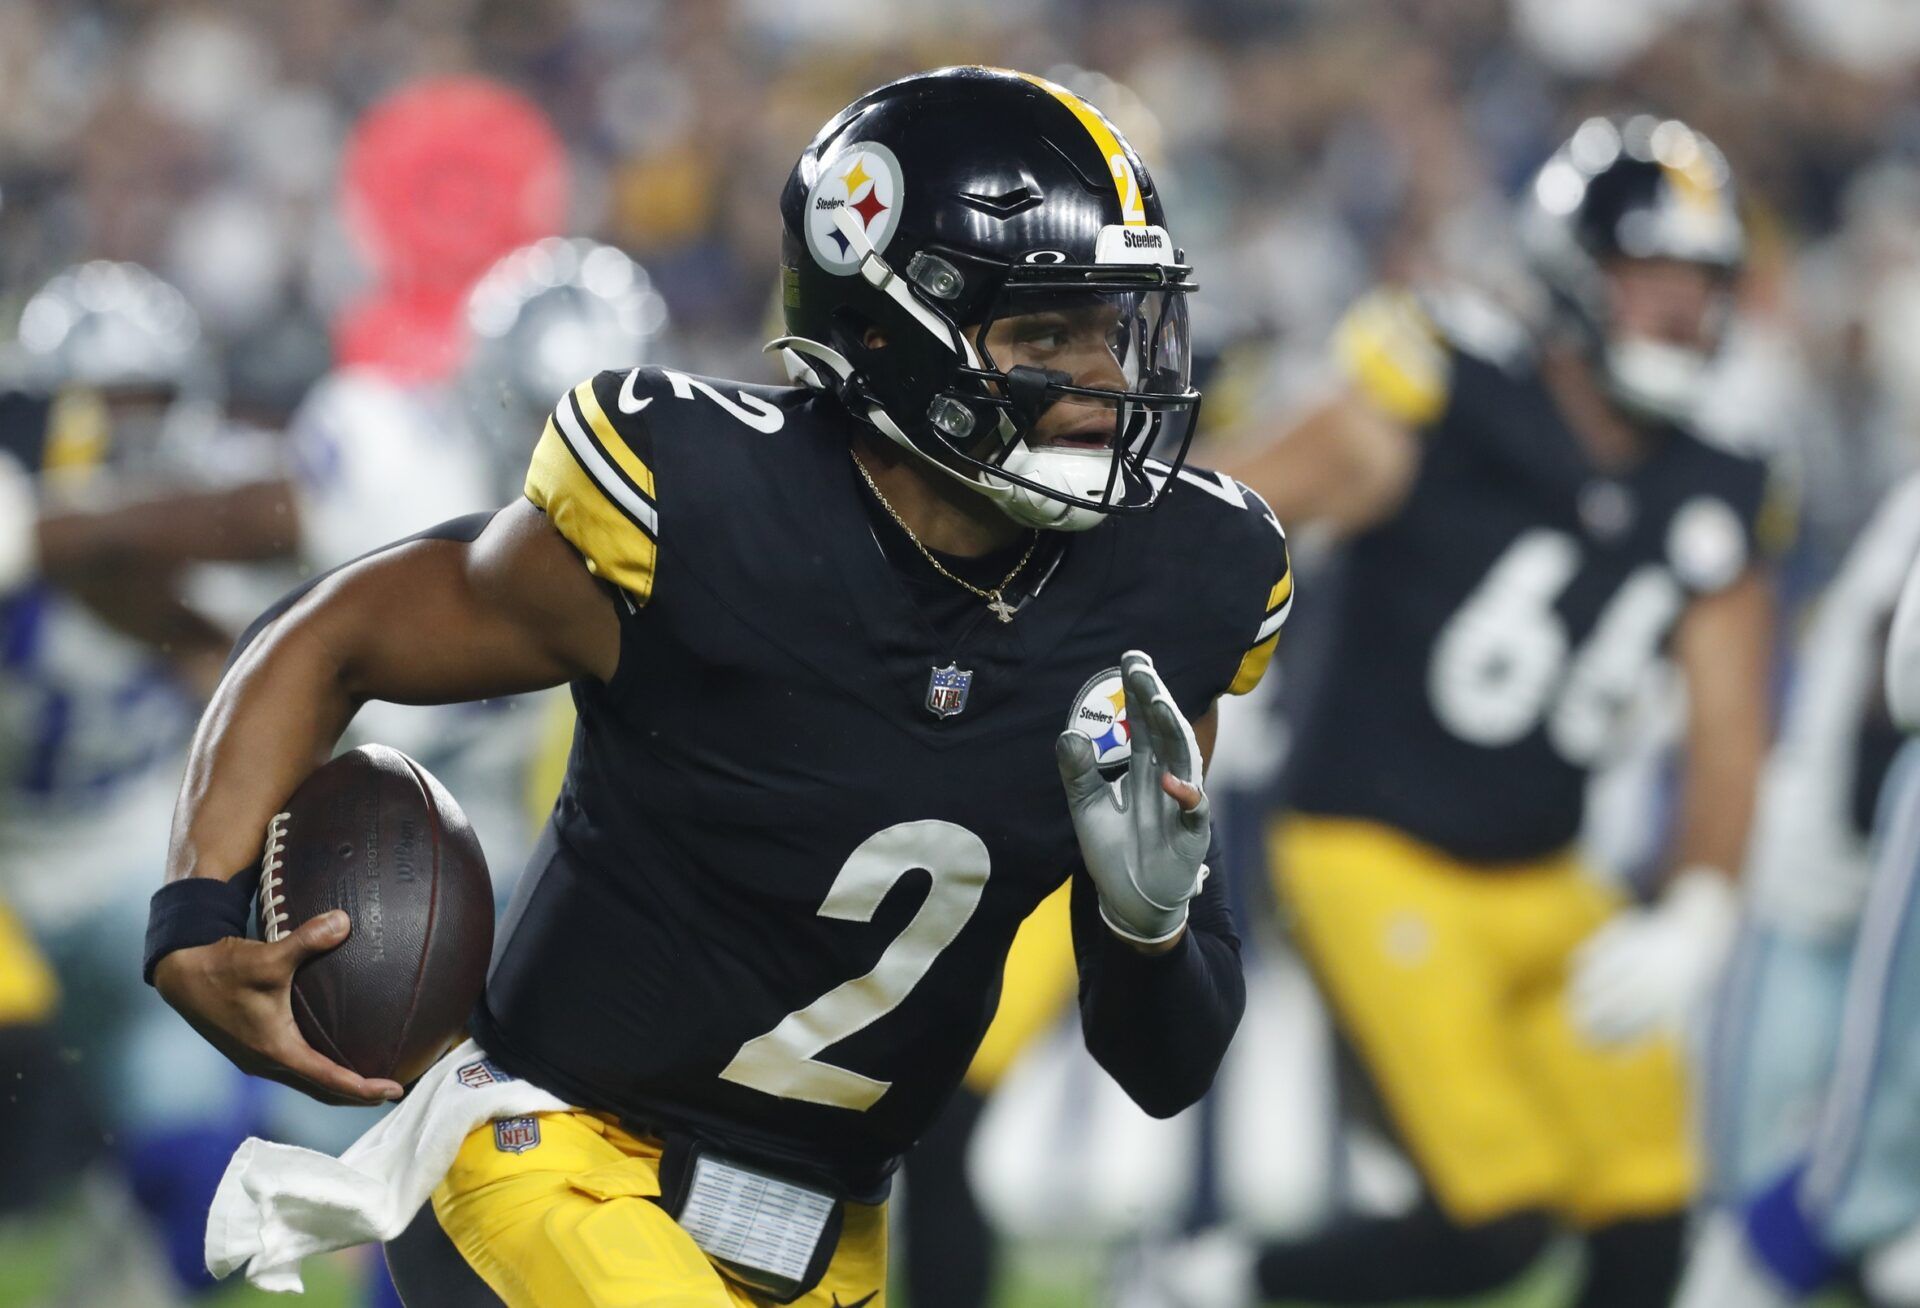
[1126,185]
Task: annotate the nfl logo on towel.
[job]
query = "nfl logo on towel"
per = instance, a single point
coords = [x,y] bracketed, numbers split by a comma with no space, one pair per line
[476,1075]
[516,1135]
[947,690]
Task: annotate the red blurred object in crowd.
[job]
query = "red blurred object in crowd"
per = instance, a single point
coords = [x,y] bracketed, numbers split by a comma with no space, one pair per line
[440,180]
[408,336]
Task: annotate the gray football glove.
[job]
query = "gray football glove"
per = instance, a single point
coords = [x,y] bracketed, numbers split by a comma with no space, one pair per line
[1142,849]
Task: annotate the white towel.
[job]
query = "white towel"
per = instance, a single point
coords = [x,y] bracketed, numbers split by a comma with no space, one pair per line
[278,1204]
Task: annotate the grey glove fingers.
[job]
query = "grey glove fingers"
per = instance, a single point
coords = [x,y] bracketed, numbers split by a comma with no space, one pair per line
[1141,685]
[1174,743]
[1079,769]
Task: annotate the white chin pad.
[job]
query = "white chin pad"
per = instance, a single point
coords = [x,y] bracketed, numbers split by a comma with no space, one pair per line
[1081,472]
[1654,377]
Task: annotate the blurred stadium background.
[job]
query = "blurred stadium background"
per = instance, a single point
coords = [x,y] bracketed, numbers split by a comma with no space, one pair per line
[1308,149]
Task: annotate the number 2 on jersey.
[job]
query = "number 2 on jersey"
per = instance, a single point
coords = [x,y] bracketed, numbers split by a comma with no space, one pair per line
[784,1061]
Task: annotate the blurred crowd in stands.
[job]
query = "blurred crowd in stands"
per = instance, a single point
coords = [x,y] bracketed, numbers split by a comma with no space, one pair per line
[1309,147]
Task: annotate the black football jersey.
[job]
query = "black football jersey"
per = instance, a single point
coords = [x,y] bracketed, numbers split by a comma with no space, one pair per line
[1490,636]
[801,822]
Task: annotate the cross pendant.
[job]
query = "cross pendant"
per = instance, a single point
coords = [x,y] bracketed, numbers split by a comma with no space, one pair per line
[1001,609]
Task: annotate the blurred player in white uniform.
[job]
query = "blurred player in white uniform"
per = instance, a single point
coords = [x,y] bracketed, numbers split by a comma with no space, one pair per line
[376,457]
[110,484]
[95,718]
[1814,1088]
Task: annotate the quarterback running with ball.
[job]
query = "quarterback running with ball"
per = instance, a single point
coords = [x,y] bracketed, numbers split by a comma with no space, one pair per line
[835,648]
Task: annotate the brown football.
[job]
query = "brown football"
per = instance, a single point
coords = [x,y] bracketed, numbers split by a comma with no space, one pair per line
[373,833]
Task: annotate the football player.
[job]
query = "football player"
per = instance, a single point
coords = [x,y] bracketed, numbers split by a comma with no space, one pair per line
[1814,1126]
[378,455]
[103,666]
[835,648]
[1530,523]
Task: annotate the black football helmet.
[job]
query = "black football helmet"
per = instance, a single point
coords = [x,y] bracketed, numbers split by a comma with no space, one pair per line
[946,236]
[1633,188]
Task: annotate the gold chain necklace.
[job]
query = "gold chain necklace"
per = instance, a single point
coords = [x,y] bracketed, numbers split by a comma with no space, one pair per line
[996,601]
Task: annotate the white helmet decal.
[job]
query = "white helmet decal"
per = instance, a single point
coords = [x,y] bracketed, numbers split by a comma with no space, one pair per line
[866,178]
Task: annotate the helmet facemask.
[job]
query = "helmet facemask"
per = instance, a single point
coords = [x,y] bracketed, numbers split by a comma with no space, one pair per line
[1069,376]
[1085,371]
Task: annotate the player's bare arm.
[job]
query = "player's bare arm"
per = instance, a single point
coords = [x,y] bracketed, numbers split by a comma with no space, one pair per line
[120,557]
[427,622]
[140,599]
[1350,461]
[238,524]
[1346,465]
[1723,645]
[1656,964]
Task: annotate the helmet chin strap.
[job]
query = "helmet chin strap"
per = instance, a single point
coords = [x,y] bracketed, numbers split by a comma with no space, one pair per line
[879,274]
[803,360]
[1064,470]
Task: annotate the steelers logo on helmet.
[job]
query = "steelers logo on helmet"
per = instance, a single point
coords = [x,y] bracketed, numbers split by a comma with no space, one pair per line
[1100,714]
[863,181]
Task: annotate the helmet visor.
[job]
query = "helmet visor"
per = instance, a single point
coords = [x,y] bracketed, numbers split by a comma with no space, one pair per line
[1103,368]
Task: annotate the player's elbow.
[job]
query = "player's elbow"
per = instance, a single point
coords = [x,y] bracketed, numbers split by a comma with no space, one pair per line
[1169,1074]
[1163,1106]
[1164,1089]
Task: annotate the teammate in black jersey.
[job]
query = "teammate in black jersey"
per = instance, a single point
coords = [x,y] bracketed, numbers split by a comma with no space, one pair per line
[1531,524]
[824,641]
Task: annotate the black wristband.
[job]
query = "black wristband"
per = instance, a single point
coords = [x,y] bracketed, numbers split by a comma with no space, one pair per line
[195,911]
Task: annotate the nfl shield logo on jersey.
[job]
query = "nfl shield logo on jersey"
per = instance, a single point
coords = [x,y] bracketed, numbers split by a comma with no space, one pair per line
[947,690]
[516,1135]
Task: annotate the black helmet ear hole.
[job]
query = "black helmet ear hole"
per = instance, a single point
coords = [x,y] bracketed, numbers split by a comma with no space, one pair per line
[856,336]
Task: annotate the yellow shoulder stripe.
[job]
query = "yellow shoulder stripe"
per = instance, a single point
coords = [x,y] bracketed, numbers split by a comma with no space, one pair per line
[1254,666]
[1393,353]
[1125,184]
[614,546]
[616,446]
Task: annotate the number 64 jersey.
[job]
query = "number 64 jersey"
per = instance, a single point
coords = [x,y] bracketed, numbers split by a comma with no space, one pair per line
[802,821]
[1491,635]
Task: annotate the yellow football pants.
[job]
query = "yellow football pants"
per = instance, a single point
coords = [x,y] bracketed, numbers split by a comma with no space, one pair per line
[1040,981]
[1449,980]
[571,1223]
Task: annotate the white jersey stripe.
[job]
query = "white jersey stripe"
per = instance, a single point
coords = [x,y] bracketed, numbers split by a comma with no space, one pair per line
[608,478]
[1275,620]
[1864,1028]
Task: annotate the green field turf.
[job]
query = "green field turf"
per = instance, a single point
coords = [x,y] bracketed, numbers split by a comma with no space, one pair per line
[32,1258]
